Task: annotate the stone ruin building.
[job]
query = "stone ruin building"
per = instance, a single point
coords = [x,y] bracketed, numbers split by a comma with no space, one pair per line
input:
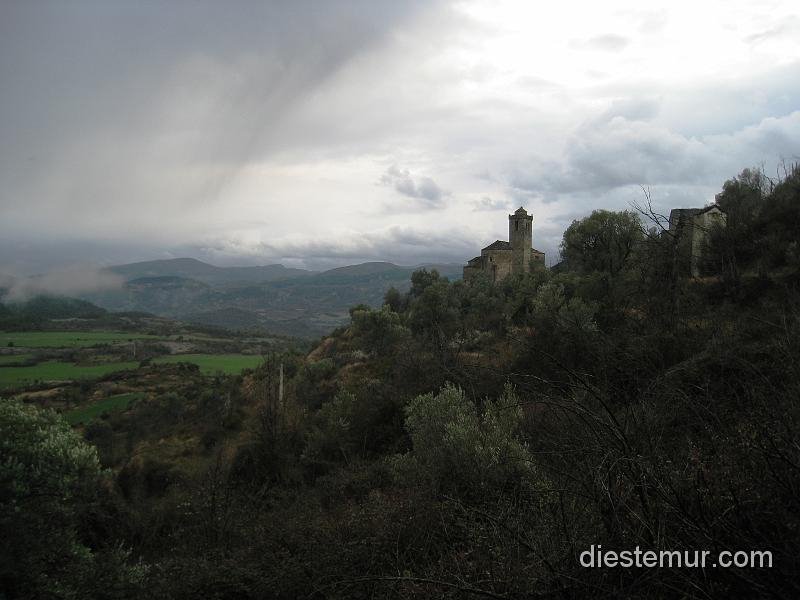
[692,226]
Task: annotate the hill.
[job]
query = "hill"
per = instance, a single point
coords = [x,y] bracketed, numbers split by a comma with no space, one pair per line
[41,309]
[191,268]
[299,303]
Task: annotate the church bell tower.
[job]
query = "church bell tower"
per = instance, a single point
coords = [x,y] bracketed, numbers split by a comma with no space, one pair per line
[520,236]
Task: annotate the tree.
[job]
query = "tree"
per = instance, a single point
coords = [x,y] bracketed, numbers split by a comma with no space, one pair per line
[434,316]
[604,242]
[421,280]
[48,479]
[378,330]
[734,247]
[394,300]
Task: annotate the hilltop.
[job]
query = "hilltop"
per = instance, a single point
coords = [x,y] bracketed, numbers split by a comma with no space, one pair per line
[191,268]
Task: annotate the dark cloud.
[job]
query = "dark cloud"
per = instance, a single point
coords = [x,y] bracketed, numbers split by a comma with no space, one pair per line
[423,189]
[139,130]
[114,111]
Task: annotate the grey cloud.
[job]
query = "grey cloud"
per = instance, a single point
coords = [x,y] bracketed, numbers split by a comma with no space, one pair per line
[632,109]
[133,131]
[71,281]
[766,142]
[397,244]
[487,203]
[790,27]
[711,106]
[618,153]
[7,280]
[125,105]
[424,189]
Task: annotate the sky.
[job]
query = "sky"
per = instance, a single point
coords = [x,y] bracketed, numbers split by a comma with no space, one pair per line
[317,134]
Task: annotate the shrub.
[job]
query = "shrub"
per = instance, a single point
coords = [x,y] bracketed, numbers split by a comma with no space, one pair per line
[460,449]
[48,478]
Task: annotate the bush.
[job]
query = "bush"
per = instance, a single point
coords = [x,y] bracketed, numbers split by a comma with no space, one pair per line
[462,450]
[48,478]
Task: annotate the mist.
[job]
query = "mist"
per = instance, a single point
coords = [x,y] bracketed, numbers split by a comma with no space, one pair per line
[70,281]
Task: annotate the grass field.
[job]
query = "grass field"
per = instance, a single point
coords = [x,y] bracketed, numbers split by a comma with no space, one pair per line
[14,359]
[57,371]
[85,414]
[230,364]
[67,339]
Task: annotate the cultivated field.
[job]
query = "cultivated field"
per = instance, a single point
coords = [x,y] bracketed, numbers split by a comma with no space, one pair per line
[210,364]
[53,370]
[13,359]
[230,364]
[67,339]
[85,414]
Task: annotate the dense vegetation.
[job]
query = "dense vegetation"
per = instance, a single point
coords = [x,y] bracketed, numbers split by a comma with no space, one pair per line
[34,312]
[459,441]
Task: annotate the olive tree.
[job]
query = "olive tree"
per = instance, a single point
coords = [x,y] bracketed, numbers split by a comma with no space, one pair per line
[49,477]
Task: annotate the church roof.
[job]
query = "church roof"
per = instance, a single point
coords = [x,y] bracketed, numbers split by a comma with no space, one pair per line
[498,245]
[520,211]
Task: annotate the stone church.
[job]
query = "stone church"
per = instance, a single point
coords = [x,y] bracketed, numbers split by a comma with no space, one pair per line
[501,259]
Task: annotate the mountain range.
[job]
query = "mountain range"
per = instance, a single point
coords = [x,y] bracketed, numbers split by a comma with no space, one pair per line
[191,268]
[276,298]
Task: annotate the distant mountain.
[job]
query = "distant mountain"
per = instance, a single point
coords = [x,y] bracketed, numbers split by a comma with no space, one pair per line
[367,268]
[191,268]
[287,301]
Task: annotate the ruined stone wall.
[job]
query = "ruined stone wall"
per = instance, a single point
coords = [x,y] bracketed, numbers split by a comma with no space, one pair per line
[702,225]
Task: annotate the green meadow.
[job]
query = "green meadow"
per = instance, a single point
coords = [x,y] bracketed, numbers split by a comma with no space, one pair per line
[85,414]
[230,364]
[57,371]
[52,370]
[14,359]
[67,339]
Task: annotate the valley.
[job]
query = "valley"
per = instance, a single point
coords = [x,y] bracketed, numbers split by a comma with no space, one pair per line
[275,299]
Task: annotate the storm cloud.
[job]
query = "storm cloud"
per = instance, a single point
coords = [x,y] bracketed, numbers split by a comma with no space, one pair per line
[256,133]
